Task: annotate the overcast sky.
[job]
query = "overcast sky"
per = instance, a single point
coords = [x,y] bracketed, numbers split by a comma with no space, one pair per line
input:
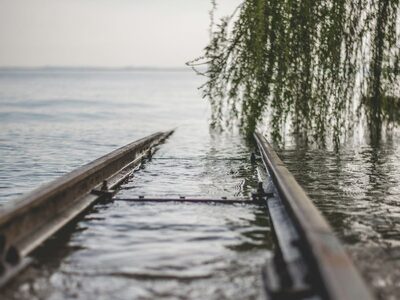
[110,33]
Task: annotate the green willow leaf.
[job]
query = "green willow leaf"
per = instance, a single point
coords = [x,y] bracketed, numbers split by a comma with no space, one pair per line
[310,65]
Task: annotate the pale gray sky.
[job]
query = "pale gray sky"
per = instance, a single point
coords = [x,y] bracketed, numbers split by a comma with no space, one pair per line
[110,33]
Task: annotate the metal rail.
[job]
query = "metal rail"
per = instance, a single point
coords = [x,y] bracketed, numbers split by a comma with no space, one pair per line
[30,220]
[309,261]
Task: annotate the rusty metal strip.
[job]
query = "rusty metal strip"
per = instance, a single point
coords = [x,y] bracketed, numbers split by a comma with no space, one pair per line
[28,221]
[331,270]
[222,200]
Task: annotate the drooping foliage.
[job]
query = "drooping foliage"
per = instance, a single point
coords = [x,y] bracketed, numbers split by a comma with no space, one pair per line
[315,66]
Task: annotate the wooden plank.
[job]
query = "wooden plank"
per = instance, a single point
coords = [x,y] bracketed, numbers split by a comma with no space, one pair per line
[327,256]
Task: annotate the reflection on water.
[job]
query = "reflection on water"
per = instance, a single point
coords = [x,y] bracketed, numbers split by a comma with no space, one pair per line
[54,121]
[127,250]
[358,190]
[124,250]
[195,163]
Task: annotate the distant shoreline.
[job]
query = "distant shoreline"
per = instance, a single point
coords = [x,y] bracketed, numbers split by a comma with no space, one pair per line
[95,69]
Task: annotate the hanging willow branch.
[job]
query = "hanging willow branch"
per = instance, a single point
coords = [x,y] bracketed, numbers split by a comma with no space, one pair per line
[306,63]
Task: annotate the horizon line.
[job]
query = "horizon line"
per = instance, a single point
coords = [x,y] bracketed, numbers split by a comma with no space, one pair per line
[95,68]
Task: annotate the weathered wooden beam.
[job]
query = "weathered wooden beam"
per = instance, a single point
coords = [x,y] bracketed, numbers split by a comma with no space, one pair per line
[328,260]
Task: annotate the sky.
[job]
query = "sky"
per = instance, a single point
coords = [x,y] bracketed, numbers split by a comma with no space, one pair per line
[105,33]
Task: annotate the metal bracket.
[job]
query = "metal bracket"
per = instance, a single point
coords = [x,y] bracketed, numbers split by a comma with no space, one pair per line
[11,262]
[103,191]
[106,194]
[260,194]
[277,288]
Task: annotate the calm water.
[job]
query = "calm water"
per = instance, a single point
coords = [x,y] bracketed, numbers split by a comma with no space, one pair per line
[54,121]
[358,190]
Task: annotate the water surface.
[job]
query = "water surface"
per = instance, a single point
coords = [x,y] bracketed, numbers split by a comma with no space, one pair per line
[55,121]
[358,190]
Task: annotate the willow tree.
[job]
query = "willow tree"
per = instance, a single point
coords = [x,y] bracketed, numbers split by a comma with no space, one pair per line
[313,64]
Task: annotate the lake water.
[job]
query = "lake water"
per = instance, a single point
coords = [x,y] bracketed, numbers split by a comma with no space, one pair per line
[55,121]
[358,191]
[52,121]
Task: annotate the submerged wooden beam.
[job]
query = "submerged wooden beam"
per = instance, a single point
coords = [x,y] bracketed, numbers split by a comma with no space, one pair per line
[28,221]
[330,270]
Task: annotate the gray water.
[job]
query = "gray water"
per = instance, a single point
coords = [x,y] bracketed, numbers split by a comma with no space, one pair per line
[358,191]
[54,121]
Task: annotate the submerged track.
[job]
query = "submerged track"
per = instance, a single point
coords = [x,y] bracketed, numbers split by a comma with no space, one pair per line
[309,261]
[27,222]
